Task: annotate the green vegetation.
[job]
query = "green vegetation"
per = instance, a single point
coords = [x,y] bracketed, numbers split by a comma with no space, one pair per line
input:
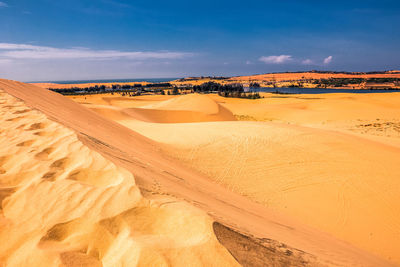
[254,85]
[340,82]
[127,89]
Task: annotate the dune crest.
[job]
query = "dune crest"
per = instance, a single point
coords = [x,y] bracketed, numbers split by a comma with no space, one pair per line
[63,204]
[191,102]
[180,109]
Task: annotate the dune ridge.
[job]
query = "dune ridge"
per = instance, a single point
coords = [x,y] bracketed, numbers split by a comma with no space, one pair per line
[185,108]
[180,109]
[279,165]
[63,204]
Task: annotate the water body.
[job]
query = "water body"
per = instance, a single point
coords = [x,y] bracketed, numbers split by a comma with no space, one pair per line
[295,90]
[151,80]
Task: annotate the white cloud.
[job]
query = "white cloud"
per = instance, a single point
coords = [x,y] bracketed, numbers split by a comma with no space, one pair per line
[328,60]
[2,4]
[5,61]
[248,62]
[26,51]
[275,59]
[307,62]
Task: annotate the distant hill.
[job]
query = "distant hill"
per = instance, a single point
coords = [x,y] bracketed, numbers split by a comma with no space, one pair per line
[290,76]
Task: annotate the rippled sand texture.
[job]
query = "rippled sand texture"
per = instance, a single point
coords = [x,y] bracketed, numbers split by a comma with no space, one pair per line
[63,204]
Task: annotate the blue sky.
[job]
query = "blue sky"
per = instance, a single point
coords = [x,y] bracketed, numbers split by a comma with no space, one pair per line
[105,39]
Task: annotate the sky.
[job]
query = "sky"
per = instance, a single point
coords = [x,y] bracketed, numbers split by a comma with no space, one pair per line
[48,40]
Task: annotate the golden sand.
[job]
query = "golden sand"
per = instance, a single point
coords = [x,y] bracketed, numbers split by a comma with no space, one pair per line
[64,204]
[330,161]
[263,234]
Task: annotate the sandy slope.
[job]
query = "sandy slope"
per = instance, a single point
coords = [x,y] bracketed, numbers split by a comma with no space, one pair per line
[66,205]
[342,183]
[154,173]
[186,108]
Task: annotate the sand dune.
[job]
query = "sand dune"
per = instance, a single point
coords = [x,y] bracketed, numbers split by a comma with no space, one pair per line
[66,205]
[322,174]
[266,230]
[181,109]
[191,102]
[186,108]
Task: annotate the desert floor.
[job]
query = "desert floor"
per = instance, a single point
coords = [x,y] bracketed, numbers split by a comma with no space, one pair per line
[329,161]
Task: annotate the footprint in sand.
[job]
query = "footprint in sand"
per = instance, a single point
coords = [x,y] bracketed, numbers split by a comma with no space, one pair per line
[44,154]
[26,143]
[37,126]
[21,111]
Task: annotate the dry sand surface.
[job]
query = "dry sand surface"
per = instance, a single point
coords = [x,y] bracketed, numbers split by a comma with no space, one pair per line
[64,204]
[59,210]
[330,161]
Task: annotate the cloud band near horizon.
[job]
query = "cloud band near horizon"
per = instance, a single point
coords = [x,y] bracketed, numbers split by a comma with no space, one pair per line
[275,59]
[282,59]
[26,51]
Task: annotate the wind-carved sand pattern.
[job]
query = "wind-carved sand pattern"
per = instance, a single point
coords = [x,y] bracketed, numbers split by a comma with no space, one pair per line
[63,204]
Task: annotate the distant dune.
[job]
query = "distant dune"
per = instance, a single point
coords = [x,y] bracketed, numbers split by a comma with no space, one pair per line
[186,108]
[315,75]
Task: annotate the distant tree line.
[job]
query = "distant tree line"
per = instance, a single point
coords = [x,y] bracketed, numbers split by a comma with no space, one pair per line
[254,85]
[335,72]
[216,87]
[203,77]
[125,86]
[339,82]
[99,89]
[248,95]
[225,90]
[79,90]
[158,85]
[383,80]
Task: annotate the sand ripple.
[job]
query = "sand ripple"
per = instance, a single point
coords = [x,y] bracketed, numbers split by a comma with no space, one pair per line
[63,204]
